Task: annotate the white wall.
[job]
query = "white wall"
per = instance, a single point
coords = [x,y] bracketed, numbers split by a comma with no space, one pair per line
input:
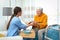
[6,3]
[59,11]
[3,3]
[49,7]
[26,14]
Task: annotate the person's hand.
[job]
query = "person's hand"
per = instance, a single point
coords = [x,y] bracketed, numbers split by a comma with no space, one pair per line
[30,24]
[34,22]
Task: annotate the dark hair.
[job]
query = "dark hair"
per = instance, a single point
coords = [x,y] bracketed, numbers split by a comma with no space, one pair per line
[16,10]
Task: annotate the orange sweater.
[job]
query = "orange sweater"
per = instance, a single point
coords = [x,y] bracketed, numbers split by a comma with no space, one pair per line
[42,20]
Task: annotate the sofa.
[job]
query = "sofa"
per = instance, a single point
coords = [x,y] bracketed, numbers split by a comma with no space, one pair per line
[4,37]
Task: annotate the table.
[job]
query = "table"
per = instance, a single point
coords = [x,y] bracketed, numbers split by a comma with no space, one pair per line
[31,35]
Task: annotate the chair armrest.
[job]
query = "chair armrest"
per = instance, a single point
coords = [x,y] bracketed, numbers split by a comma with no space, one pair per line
[12,38]
[48,38]
[3,33]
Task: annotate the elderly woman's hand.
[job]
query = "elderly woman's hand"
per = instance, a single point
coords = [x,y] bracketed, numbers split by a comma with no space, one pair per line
[34,22]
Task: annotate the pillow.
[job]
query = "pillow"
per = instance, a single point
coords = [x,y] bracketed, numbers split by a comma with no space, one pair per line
[1,35]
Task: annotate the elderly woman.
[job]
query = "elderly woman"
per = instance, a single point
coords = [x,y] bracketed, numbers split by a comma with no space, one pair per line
[39,23]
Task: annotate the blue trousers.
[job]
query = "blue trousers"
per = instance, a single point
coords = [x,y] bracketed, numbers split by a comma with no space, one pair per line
[27,39]
[36,34]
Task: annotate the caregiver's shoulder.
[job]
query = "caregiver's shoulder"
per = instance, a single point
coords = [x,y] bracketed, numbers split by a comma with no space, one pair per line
[15,19]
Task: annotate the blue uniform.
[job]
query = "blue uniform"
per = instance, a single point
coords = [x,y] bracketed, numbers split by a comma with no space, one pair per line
[15,26]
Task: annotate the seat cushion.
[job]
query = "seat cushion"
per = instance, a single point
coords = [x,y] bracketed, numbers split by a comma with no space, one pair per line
[2,35]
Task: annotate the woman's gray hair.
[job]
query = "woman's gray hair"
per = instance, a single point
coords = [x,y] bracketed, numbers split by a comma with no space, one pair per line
[40,8]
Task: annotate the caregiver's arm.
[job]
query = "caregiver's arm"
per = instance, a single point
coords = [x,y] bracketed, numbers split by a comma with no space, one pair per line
[20,25]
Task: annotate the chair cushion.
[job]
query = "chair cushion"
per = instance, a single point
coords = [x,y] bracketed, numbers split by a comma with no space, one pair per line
[2,35]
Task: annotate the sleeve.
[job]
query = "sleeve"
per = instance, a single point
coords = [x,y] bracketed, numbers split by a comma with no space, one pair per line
[34,17]
[44,23]
[20,25]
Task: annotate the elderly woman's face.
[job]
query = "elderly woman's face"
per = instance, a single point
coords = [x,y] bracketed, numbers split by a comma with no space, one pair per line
[39,12]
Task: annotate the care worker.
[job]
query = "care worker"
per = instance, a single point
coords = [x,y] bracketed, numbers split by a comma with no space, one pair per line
[15,23]
[39,23]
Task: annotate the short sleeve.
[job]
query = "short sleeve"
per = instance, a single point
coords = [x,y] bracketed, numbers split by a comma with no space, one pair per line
[20,25]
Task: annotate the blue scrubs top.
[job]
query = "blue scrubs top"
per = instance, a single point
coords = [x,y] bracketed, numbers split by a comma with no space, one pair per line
[15,26]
